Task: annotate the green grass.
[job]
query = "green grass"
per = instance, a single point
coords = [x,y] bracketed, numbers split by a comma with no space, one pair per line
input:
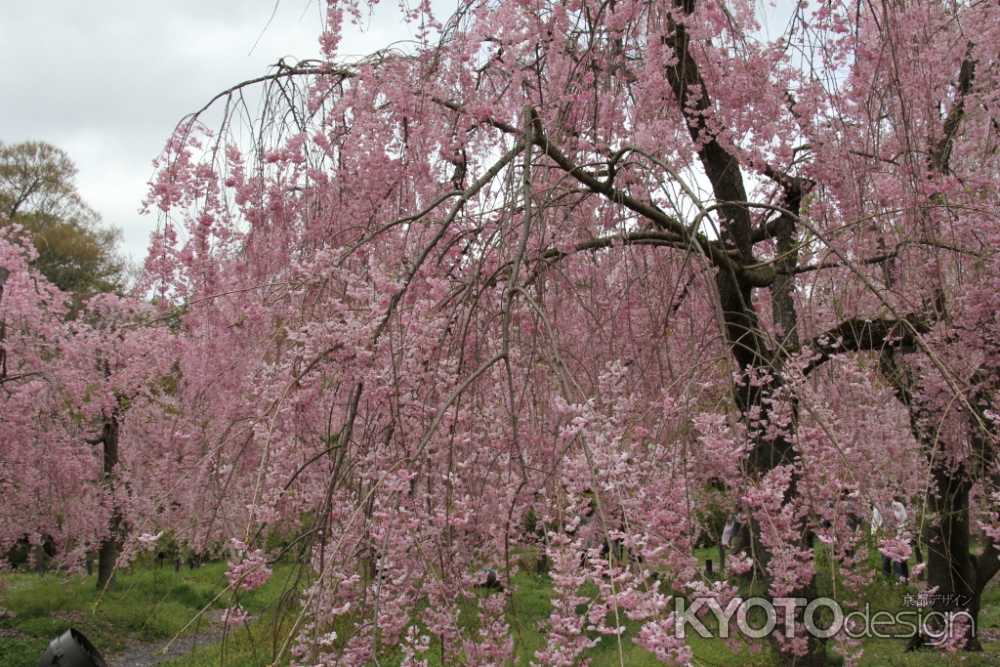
[147,604]
[153,604]
[256,643]
[252,645]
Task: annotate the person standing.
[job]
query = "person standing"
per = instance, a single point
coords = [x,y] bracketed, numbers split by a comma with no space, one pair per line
[891,567]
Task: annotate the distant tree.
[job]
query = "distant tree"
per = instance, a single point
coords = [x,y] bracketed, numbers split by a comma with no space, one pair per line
[38,192]
[68,388]
[58,255]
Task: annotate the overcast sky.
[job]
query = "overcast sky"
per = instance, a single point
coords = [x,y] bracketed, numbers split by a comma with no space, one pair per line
[107,80]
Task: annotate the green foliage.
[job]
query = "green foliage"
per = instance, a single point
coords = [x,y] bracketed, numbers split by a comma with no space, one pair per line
[37,191]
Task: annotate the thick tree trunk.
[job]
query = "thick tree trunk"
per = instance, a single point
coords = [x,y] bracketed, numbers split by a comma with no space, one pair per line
[749,347]
[766,453]
[40,558]
[958,576]
[107,556]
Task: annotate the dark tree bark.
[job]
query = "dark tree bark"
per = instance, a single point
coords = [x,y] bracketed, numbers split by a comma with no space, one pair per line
[111,546]
[744,335]
[951,567]
[958,575]
[738,273]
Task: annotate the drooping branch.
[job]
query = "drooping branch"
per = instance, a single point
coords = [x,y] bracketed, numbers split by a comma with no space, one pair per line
[304,68]
[712,249]
[807,268]
[645,209]
[660,239]
[715,251]
[480,183]
[633,238]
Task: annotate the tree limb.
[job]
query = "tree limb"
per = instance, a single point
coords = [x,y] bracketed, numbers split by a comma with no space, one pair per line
[863,335]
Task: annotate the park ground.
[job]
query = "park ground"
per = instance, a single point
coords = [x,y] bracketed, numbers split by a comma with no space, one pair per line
[150,606]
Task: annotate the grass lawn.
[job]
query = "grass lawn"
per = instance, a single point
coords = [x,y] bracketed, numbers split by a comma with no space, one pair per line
[148,604]
[531,602]
[152,605]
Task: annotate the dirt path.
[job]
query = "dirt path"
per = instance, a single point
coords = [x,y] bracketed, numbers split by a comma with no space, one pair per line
[151,653]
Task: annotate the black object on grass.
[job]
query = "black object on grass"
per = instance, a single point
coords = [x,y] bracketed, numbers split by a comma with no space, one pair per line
[71,649]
